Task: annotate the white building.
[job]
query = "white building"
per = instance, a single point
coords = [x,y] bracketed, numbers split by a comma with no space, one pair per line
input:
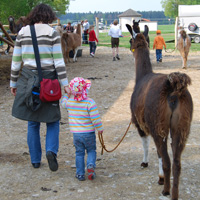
[128,16]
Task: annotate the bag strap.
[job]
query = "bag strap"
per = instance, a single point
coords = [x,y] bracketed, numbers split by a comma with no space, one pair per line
[36,51]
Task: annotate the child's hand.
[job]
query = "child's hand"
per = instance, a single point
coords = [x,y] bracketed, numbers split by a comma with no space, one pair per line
[100,132]
[67,90]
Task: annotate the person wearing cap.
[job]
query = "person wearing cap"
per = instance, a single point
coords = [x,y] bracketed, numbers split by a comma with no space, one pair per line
[83,118]
[158,44]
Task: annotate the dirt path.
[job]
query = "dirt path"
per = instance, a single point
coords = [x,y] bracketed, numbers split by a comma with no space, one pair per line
[119,176]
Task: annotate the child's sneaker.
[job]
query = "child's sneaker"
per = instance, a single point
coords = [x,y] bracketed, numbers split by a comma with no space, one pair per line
[80,177]
[92,54]
[91,173]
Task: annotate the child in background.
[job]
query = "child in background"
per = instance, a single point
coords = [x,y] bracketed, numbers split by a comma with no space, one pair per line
[159,42]
[92,39]
[83,119]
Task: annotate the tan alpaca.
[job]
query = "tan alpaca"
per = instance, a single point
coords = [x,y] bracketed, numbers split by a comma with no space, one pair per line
[70,41]
[183,46]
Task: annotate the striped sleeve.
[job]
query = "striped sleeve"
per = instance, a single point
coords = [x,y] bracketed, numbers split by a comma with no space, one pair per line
[64,101]
[58,59]
[16,62]
[94,115]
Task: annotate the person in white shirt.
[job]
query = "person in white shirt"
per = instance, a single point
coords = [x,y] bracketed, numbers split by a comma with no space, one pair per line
[115,33]
[86,26]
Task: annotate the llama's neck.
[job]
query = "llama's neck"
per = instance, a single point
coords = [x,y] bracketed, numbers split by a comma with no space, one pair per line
[12,27]
[142,63]
[78,30]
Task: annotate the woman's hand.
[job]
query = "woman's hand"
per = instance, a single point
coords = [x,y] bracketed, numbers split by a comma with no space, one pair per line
[67,90]
[13,91]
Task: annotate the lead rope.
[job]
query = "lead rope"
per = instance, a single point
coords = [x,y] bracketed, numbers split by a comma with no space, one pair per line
[103,145]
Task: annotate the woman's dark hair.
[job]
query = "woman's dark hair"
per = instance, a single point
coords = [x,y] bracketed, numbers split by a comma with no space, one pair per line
[41,13]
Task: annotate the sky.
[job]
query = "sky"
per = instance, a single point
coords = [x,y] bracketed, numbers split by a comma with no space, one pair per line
[85,6]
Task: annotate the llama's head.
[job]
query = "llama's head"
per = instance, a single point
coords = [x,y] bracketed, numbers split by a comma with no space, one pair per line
[11,19]
[183,34]
[136,27]
[138,39]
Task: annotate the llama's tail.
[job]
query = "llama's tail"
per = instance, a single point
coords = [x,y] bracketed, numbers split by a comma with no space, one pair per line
[179,82]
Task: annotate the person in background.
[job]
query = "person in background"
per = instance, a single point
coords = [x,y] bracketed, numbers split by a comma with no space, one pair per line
[69,28]
[92,40]
[53,66]
[86,26]
[83,119]
[115,33]
[158,43]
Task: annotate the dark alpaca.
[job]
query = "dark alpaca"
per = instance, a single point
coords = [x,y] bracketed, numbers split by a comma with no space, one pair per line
[160,104]
[15,27]
[136,29]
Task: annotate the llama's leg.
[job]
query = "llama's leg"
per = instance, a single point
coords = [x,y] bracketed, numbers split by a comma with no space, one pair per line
[177,149]
[145,143]
[64,50]
[161,145]
[68,57]
[183,60]
[161,173]
[75,53]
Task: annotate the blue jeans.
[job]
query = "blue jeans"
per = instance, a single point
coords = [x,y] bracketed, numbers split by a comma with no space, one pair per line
[92,47]
[33,139]
[82,142]
[158,54]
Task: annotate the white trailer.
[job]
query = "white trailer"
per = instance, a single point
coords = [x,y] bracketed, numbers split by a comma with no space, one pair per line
[189,20]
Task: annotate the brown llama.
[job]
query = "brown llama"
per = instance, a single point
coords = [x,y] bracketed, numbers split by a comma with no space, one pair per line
[70,41]
[160,104]
[136,29]
[183,45]
[15,27]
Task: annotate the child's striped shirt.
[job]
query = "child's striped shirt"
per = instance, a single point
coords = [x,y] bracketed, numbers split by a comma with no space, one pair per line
[83,115]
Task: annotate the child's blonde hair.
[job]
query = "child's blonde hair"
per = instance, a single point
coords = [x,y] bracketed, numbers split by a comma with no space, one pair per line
[91,27]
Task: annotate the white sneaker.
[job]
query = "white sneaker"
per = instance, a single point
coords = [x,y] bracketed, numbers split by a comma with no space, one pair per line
[92,54]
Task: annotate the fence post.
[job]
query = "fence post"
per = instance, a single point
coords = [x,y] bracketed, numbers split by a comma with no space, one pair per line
[97,27]
[176,31]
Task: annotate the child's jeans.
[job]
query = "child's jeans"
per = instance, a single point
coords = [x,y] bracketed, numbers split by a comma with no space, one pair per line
[158,54]
[82,142]
[92,47]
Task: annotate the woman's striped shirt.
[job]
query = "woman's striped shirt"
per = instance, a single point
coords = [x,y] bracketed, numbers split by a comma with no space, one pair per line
[50,50]
[83,115]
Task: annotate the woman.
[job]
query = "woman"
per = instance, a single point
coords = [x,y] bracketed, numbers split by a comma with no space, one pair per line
[53,66]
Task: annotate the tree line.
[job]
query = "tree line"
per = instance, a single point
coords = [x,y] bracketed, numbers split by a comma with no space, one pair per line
[23,7]
[108,17]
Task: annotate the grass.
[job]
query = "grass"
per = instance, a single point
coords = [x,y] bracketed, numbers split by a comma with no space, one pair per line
[168,33]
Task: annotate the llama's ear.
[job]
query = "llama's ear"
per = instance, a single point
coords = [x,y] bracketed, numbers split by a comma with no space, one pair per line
[129,29]
[146,30]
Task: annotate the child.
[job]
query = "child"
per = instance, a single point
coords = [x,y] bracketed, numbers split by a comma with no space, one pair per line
[83,119]
[92,39]
[158,44]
